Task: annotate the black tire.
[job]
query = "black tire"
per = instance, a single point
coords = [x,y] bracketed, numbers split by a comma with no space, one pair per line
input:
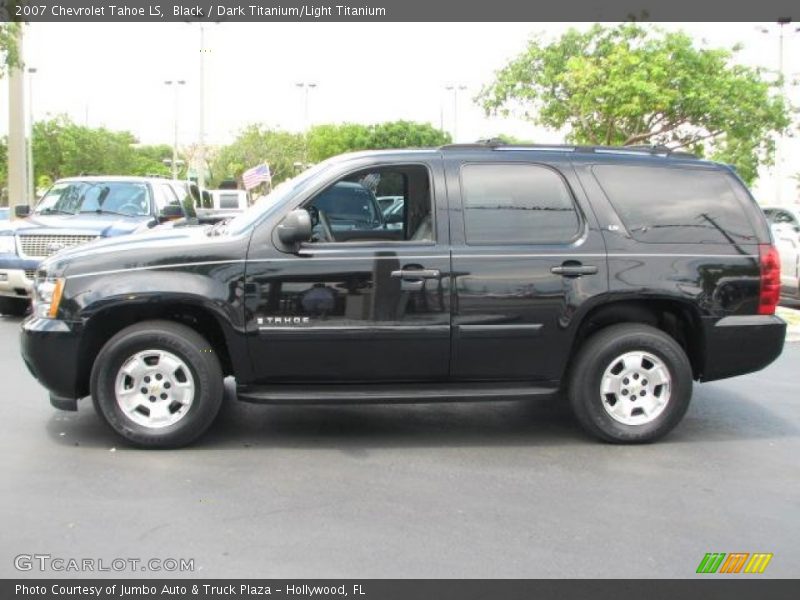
[14,307]
[599,353]
[187,345]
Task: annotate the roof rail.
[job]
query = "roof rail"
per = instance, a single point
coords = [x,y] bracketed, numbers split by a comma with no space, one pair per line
[498,144]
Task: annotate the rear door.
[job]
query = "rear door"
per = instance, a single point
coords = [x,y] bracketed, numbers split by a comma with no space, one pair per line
[526,255]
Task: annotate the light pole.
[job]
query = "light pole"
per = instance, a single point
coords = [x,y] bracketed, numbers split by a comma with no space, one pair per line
[306,86]
[31,183]
[782,23]
[17,186]
[201,148]
[455,88]
[177,83]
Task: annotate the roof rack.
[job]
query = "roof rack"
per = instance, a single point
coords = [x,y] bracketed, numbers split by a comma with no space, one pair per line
[498,144]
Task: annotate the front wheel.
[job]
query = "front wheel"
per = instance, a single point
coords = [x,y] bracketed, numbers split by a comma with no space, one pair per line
[630,383]
[158,384]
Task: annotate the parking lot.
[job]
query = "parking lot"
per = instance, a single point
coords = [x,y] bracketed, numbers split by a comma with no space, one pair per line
[510,489]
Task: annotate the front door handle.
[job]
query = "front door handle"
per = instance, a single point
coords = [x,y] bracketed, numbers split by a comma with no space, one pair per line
[417,273]
[574,269]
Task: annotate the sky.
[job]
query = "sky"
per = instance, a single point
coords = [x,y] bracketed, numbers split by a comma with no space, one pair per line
[112,74]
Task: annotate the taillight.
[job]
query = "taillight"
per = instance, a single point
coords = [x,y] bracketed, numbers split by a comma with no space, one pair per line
[770,279]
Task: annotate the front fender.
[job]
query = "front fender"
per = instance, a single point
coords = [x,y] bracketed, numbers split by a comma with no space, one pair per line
[104,304]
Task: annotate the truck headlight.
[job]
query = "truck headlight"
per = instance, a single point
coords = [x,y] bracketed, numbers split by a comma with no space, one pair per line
[47,296]
[7,244]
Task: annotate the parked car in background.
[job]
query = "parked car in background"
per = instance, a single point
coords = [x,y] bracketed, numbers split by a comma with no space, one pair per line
[387,203]
[4,214]
[617,276]
[785,224]
[79,210]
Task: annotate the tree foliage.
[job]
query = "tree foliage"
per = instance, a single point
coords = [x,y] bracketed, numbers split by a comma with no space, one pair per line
[284,151]
[62,148]
[256,144]
[9,53]
[631,84]
[325,141]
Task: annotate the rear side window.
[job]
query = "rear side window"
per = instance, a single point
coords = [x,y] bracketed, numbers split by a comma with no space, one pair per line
[517,204]
[676,206]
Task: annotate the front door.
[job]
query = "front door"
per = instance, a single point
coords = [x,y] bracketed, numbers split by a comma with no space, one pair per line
[367,298]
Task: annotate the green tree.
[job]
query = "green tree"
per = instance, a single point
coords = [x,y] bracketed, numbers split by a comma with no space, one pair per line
[325,141]
[406,134]
[329,140]
[256,144]
[9,53]
[283,151]
[62,148]
[631,84]
[149,160]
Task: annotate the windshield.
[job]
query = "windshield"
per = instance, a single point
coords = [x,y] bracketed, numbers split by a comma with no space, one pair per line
[275,198]
[115,197]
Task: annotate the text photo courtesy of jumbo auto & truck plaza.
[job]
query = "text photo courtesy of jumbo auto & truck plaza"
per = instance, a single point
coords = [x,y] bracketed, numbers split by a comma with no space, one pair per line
[399,300]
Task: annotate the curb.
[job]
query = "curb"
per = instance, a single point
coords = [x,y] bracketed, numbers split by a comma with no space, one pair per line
[792,317]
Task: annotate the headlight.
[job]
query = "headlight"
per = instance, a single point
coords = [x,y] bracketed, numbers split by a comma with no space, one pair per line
[7,244]
[47,296]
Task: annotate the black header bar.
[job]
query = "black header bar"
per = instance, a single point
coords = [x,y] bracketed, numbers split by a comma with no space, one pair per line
[399,589]
[395,10]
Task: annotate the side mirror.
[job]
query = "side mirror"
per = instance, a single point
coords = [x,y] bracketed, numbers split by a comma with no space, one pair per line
[295,228]
[170,212]
[22,210]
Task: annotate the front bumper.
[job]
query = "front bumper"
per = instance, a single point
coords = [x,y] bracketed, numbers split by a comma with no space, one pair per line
[741,344]
[50,349]
[16,283]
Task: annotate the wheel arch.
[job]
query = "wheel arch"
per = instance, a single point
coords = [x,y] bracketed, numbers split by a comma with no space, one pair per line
[112,318]
[677,318]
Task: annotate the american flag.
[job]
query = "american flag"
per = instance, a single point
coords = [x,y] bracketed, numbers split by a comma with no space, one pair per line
[258,174]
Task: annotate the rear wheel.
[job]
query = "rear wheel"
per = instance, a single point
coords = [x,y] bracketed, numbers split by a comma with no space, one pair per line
[14,307]
[630,383]
[158,384]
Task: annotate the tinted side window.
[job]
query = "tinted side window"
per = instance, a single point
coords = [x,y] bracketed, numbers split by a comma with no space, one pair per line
[387,203]
[229,200]
[517,204]
[669,205]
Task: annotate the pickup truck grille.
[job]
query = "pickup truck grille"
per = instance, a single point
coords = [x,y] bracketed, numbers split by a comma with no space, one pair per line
[44,245]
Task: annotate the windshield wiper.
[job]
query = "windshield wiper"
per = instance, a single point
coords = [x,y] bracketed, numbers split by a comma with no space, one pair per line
[103,211]
[53,211]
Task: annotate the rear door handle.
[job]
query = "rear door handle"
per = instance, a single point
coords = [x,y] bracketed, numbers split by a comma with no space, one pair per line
[417,273]
[574,270]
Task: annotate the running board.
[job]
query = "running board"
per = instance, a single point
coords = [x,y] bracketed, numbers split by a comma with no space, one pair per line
[396,393]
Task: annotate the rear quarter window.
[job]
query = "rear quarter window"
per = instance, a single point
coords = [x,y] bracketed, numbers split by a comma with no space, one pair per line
[678,206]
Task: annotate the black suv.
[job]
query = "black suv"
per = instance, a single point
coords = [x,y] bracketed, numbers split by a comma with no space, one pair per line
[617,276]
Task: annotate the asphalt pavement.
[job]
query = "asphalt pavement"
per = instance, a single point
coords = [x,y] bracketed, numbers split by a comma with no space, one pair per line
[508,489]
